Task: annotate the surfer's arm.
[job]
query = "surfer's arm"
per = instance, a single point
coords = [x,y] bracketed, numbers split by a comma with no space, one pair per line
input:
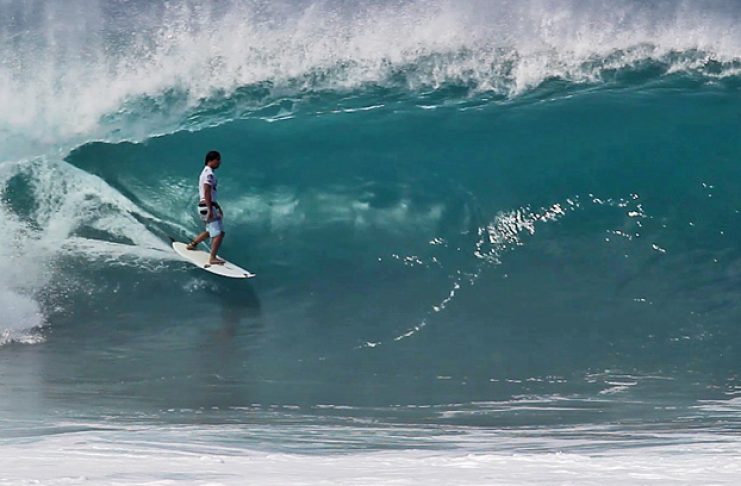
[207,198]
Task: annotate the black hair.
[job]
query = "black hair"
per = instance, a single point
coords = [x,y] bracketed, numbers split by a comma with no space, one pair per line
[212,155]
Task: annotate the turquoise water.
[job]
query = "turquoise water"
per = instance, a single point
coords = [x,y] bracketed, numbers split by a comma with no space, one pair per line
[485,223]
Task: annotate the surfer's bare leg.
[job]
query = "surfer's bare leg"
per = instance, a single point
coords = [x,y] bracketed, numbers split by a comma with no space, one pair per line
[198,240]
[215,244]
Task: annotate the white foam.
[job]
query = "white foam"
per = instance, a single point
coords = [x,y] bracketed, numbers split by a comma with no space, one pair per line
[133,458]
[20,276]
[65,199]
[21,314]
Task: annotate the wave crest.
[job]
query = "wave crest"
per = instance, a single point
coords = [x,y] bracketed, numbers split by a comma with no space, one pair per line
[76,71]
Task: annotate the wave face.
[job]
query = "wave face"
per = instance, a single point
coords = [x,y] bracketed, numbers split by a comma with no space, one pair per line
[492,214]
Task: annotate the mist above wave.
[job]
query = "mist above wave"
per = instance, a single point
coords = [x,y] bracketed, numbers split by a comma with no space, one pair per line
[92,69]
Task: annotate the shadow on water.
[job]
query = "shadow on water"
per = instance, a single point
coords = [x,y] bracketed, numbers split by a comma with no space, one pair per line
[238,302]
[214,371]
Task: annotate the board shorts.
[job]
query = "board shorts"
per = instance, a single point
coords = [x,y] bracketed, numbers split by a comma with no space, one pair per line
[215,225]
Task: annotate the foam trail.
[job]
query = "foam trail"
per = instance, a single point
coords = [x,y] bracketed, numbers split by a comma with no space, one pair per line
[504,232]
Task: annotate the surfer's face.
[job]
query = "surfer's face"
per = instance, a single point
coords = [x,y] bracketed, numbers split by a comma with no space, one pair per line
[215,163]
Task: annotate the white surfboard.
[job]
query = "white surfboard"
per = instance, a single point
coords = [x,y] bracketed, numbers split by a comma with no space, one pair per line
[200,259]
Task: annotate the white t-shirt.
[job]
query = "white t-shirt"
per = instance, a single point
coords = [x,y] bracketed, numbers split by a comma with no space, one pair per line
[207,177]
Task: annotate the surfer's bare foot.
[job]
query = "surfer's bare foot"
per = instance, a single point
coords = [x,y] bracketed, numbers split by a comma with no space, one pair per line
[191,246]
[216,261]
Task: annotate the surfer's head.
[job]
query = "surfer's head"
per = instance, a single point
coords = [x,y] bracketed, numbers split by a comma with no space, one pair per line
[213,159]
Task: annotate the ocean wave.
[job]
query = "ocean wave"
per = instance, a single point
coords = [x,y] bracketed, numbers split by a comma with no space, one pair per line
[49,209]
[105,70]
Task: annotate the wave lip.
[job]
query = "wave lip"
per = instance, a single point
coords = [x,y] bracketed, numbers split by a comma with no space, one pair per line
[75,72]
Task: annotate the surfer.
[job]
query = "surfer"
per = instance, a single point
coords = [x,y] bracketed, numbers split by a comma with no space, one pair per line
[209,210]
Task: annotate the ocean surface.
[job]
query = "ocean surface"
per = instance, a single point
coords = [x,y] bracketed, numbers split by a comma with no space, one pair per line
[496,242]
